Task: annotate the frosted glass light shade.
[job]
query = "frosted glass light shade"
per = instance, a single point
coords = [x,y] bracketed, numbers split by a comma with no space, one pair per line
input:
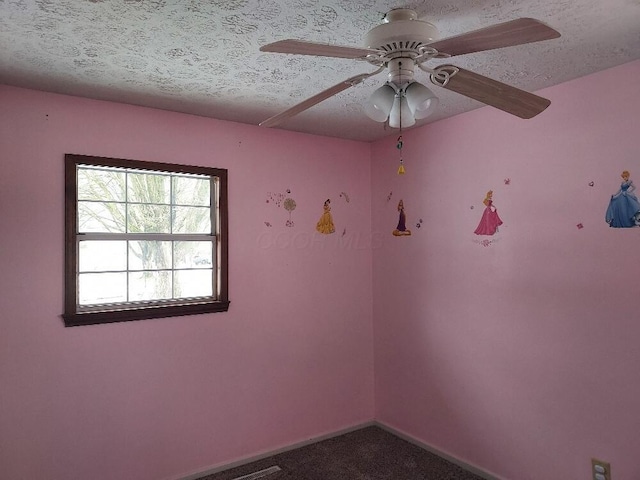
[401,107]
[380,103]
[421,100]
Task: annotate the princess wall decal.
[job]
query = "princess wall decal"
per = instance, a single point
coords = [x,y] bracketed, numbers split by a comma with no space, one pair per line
[325,224]
[624,209]
[401,229]
[490,220]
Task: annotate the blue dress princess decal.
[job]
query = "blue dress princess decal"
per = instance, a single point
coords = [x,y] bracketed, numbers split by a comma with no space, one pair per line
[624,208]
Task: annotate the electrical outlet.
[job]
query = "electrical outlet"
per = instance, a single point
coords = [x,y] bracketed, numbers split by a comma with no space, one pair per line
[600,470]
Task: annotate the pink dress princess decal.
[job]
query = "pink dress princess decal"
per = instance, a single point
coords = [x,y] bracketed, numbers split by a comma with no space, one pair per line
[490,220]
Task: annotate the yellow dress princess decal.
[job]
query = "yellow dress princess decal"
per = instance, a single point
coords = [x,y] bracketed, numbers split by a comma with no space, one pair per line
[325,224]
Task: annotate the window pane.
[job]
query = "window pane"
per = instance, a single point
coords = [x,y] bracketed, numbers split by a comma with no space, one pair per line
[101,217]
[191,220]
[191,191]
[107,185]
[97,288]
[149,188]
[146,218]
[102,256]
[149,255]
[193,254]
[149,286]
[193,283]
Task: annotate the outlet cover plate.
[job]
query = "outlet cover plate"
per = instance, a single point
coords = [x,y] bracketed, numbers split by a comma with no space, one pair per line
[605,465]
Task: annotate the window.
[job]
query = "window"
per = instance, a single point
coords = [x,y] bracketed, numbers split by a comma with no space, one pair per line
[143,240]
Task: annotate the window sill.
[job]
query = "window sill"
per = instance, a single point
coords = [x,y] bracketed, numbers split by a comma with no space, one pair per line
[95,318]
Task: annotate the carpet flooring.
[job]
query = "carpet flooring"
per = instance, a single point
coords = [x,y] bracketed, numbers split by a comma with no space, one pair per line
[370,453]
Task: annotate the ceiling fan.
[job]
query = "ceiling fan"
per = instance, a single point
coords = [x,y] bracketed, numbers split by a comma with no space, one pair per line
[404,42]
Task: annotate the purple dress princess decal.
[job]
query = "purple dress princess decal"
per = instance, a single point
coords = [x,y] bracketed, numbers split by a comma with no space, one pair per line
[401,230]
[490,220]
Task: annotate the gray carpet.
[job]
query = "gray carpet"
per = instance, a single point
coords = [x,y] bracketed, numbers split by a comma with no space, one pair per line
[370,453]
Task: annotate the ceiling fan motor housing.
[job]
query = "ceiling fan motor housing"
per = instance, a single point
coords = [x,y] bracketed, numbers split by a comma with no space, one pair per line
[401,37]
[402,33]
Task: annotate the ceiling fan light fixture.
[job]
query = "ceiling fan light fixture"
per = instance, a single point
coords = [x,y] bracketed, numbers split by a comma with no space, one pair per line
[421,100]
[380,103]
[400,115]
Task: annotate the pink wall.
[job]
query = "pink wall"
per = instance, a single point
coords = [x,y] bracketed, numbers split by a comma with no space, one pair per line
[520,357]
[160,399]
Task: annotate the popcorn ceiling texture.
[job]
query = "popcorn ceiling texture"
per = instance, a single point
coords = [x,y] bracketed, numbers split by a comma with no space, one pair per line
[203,57]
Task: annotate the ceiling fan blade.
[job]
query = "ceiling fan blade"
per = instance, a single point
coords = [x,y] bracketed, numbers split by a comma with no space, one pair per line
[491,92]
[302,47]
[507,34]
[310,102]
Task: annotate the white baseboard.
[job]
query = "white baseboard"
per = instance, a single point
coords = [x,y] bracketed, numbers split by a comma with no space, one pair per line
[470,468]
[398,433]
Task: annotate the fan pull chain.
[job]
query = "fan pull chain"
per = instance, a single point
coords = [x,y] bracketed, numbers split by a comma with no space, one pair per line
[400,142]
[399,147]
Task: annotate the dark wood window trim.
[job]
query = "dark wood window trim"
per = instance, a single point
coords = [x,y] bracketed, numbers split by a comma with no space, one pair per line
[73,316]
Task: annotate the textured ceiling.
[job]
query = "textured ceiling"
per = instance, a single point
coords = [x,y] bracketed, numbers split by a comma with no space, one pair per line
[202,56]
